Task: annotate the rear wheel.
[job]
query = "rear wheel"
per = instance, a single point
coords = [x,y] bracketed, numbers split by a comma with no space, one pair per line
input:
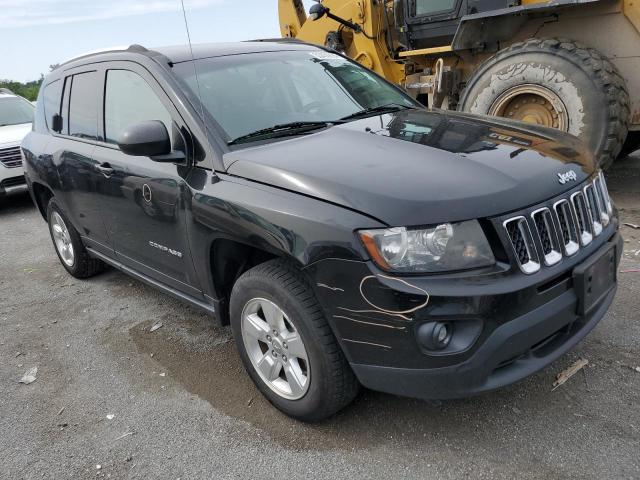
[559,84]
[286,345]
[71,251]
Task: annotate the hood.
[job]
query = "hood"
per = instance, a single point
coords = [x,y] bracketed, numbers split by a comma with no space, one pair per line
[419,167]
[13,134]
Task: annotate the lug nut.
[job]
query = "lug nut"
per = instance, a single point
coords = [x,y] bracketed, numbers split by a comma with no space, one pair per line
[284,359]
[284,344]
[275,333]
[273,352]
[268,338]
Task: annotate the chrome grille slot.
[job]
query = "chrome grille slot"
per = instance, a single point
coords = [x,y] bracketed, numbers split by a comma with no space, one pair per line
[551,247]
[605,192]
[592,202]
[11,157]
[602,203]
[583,216]
[522,243]
[568,227]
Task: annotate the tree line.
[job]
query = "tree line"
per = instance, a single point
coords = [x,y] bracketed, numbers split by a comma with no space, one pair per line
[28,90]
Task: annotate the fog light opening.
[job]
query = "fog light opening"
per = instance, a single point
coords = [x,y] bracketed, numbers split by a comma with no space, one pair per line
[438,335]
[441,334]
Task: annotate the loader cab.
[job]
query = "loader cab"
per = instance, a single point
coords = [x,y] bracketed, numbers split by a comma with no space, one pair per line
[433,23]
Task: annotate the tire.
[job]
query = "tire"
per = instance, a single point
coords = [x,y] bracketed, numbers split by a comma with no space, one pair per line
[330,382]
[592,91]
[82,265]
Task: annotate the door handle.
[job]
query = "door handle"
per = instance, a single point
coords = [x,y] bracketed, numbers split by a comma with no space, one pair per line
[105,169]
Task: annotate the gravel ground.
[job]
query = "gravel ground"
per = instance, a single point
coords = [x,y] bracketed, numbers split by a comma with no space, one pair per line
[113,400]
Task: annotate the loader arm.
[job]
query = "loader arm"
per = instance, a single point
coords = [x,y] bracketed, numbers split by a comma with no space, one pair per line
[292,17]
[367,47]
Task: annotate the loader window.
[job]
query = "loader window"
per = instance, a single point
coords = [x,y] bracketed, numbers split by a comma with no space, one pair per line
[433,7]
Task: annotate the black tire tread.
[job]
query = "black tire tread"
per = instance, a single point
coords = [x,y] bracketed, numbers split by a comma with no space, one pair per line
[343,384]
[598,67]
[85,265]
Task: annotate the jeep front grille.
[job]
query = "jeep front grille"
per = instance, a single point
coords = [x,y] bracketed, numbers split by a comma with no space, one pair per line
[11,157]
[554,232]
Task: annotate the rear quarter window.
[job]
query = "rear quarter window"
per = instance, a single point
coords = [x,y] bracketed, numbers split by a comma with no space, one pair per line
[51,101]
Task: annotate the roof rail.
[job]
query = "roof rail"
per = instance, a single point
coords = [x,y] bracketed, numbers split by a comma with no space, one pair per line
[277,40]
[135,48]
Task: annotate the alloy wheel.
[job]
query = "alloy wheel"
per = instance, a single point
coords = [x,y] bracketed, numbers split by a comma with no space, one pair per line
[62,239]
[275,348]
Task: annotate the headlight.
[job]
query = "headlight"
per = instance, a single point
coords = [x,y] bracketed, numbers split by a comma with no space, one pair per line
[445,247]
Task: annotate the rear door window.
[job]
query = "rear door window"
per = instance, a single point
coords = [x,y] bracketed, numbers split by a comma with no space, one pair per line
[129,100]
[83,106]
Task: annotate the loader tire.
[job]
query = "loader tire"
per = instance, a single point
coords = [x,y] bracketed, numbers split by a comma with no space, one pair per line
[556,83]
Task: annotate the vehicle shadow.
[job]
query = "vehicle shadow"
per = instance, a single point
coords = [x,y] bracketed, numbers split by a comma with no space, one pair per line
[202,358]
[12,204]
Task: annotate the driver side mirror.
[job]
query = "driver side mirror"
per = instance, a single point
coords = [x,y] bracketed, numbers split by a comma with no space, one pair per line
[149,139]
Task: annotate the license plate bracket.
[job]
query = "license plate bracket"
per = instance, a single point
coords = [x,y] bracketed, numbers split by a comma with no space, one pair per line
[595,278]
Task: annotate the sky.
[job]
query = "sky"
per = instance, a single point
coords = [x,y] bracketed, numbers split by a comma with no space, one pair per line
[37,33]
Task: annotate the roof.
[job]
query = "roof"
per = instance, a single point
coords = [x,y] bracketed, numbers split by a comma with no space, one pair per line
[182,53]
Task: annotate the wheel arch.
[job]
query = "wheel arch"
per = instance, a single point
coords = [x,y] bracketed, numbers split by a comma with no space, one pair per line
[229,259]
[41,194]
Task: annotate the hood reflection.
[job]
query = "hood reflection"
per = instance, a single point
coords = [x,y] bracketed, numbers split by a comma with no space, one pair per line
[466,134]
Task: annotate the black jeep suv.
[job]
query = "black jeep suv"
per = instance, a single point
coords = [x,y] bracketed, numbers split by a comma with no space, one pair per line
[348,235]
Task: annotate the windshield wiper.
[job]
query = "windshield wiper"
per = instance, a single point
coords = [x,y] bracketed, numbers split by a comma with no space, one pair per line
[283,130]
[389,107]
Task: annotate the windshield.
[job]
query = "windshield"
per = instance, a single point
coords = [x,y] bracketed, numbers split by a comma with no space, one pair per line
[251,92]
[14,111]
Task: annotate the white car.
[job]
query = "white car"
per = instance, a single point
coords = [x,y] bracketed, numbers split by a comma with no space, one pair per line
[16,116]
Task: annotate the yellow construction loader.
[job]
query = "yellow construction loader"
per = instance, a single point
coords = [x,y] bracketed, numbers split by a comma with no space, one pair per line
[568,64]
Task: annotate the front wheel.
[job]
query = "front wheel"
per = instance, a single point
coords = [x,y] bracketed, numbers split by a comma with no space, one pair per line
[286,345]
[555,83]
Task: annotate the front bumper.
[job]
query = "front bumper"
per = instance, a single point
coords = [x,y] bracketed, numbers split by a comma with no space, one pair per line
[13,185]
[12,179]
[526,322]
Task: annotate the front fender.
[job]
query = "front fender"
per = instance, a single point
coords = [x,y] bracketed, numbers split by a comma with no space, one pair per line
[276,221]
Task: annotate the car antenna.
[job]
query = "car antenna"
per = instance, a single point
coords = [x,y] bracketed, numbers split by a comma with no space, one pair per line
[193,60]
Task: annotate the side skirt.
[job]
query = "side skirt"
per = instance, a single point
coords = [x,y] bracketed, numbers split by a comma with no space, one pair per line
[211,309]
